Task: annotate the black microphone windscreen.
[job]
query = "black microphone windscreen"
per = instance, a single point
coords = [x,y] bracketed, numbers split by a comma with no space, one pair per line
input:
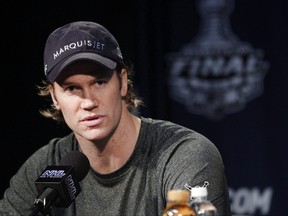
[78,161]
[59,185]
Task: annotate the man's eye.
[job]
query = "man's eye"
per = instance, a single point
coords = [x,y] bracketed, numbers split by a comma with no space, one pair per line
[100,82]
[71,88]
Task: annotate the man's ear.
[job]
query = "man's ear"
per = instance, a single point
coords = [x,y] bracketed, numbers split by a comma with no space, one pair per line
[124,82]
[53,97]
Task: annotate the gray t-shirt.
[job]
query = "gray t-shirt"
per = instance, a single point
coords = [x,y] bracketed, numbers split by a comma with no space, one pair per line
[167,156]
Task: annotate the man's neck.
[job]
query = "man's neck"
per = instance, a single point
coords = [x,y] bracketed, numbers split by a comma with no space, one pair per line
[108,157]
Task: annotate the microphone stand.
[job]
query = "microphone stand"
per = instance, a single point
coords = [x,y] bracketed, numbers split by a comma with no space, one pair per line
[43,203]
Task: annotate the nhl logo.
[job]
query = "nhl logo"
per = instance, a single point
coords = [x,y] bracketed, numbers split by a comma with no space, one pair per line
[216,73]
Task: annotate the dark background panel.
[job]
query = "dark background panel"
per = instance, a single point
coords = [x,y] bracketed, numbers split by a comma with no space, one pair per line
[252,141]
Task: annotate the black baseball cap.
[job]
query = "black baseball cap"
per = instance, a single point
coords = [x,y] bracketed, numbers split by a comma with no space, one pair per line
[81,40]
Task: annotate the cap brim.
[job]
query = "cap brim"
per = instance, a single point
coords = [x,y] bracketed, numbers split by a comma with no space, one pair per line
[57,70]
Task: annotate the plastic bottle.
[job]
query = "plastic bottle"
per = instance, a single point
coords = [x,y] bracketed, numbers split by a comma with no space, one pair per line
[178,204]
[200,203]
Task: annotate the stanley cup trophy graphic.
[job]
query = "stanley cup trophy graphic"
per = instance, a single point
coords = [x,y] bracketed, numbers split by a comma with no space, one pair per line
[216,74]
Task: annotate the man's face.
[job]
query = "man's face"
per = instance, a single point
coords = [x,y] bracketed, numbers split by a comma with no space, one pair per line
[90,99]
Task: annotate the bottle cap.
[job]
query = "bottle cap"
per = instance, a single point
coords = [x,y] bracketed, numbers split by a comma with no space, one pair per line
[199,192]
[178,195]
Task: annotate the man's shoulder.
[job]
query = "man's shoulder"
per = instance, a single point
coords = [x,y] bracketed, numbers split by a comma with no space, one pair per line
[162,124]
[55,149]
[167,131]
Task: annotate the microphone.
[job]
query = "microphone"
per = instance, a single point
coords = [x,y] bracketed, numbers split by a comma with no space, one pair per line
[59,185]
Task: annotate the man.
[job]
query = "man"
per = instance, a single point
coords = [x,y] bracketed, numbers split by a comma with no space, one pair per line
[134,161]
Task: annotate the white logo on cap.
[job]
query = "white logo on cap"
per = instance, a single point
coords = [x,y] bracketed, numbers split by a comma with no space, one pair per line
[95,44]
[45,68]
[119,53]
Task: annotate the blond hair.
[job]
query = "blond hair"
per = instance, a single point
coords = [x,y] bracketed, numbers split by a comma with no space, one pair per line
[132,101]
